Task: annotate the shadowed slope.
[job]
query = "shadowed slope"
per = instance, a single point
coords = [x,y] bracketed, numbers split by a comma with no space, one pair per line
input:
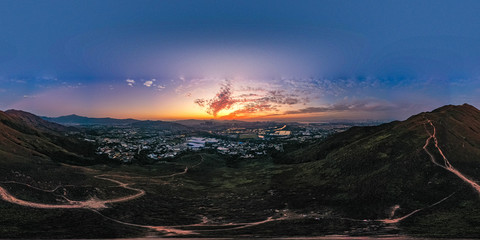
[26,135]
[367,170]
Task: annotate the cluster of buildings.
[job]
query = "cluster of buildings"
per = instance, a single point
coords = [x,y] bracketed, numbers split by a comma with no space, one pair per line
[125,143]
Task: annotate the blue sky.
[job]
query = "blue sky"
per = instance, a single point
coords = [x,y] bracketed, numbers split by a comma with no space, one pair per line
[301,60]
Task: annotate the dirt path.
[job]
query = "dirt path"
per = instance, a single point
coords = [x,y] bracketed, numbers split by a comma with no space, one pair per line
[446,164]
[94,204]
[397,220]
[185,171]
[169,231]
[140,192]
[91,203]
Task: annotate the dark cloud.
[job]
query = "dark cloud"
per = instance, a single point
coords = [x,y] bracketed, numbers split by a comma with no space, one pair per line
[280,97]
[248,95]
[200,102]
[251,89]
[291,101]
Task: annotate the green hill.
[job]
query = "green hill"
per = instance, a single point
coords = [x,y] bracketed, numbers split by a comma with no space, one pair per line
[25,135]
[365,171]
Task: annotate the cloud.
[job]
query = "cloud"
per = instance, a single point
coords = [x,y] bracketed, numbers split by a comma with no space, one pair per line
[196,85]
[279,97]
[48,78]
[200,102]
[248,95]
[252,89]
[291,101]
[249,109]
[130,82]
[314,95]
[358,105]
[148,83]
[250,100]
[160,87]
[223,100]
[18,80]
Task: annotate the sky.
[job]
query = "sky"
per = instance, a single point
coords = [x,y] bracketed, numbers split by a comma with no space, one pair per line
[250,60]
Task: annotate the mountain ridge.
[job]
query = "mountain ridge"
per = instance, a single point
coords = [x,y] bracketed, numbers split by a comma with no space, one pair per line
[368,170]
[74,119]
[26,135]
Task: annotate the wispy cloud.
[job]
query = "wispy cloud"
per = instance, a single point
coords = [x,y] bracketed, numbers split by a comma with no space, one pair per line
[358,105]
[187,87]
[280,97]
[18,80]
[49,78]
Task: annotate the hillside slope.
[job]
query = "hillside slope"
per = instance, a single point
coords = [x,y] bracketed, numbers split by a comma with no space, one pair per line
[367,171]
[25,135]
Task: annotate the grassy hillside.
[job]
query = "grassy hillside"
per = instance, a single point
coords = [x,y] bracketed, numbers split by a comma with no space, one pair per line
[365,171]
[26,135]
[343,185]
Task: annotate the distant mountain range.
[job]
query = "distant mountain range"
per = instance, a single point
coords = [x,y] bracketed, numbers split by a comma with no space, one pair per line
[75,120]
[79,120]
[182,125]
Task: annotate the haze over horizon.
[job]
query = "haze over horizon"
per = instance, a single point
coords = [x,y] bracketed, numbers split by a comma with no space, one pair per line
[248,60]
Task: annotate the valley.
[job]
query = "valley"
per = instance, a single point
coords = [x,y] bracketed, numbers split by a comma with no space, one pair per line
[366,181]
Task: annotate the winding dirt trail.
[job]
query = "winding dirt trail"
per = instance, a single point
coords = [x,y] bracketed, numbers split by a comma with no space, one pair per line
[94,204]
[169,231]
[185,171]
[91,203]
[397,220]
[197,228]
[140,192]
[6,196]
[446,164]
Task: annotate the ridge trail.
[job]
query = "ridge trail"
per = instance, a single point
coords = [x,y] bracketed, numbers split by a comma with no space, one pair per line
[446,164]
